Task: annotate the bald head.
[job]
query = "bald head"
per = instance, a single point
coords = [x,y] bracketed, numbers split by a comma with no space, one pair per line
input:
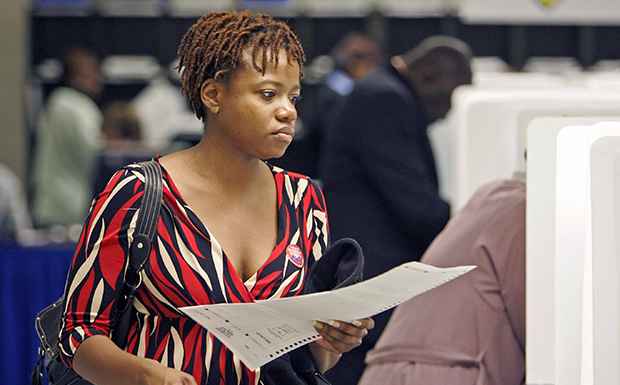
[440,47]
[435,68]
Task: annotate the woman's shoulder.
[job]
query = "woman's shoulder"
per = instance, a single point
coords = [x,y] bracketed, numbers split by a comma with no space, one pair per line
[130,173]
[124,183]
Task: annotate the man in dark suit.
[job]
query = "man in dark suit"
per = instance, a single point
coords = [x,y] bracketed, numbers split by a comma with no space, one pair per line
[378,170]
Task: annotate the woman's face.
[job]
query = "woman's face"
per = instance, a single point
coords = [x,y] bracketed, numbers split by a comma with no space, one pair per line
[257,112]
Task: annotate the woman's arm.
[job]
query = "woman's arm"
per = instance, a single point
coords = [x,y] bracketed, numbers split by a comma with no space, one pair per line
[101,362]
[94,283]
[338,337]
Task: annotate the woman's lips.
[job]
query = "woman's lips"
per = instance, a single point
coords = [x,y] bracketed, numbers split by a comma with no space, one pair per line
[286,134]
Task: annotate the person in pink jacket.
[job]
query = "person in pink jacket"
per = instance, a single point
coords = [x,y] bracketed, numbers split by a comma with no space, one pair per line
[470,330]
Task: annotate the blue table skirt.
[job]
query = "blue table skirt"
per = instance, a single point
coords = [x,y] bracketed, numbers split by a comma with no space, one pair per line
[31,279]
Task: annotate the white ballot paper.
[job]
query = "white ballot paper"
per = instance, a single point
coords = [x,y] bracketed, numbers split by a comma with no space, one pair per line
[260,331]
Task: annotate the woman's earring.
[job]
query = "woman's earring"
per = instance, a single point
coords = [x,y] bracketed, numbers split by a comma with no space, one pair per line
[215,109]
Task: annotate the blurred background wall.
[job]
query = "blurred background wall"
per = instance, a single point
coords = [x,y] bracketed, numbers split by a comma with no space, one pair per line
[14,66]
[34,31]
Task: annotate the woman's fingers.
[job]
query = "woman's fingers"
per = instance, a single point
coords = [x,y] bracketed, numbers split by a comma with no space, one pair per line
[340,337]
[366,323]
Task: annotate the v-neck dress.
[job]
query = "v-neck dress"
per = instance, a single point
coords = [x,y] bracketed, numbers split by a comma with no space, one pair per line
[186,267]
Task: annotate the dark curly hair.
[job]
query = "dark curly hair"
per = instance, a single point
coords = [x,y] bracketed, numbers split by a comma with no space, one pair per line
[213,47]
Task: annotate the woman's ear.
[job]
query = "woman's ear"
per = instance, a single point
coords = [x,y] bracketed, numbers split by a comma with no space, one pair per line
[209,94]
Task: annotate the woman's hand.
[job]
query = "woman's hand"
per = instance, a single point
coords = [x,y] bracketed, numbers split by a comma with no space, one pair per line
[340,337]
[156,373]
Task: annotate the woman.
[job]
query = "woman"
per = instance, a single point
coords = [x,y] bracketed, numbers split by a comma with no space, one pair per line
[231,227]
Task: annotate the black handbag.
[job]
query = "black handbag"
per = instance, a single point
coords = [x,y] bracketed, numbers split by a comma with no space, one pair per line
[341,265]
[47,322]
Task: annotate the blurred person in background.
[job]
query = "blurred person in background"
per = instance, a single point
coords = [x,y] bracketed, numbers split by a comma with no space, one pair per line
[378,169]
[122,130]
[14,213]
[355,56]
[121,124]
[69,138]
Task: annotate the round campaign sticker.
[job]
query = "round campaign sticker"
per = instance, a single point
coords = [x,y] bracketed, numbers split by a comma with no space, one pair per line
[294,254]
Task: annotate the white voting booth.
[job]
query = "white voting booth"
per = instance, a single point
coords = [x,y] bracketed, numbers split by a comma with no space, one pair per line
[488,126]
[586,12]
[572,270]
[448,137]
[605,213]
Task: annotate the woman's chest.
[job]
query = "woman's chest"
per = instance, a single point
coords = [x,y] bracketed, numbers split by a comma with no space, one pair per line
[191,267]
[247,235]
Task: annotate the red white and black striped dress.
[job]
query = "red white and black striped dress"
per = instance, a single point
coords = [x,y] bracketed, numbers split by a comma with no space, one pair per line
[186,267]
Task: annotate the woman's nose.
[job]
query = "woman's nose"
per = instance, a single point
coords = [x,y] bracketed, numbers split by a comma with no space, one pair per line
[287,112]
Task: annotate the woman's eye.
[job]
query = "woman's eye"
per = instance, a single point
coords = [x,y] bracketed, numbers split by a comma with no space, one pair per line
[295,99]
[269,94]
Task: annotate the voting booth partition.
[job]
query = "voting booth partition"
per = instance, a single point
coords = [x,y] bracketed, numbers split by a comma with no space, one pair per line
[572,287]
[488,127]
[447,136]
[605,206]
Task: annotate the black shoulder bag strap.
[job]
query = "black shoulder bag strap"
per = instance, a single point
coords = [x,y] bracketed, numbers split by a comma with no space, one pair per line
[140,248]
[48,319]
